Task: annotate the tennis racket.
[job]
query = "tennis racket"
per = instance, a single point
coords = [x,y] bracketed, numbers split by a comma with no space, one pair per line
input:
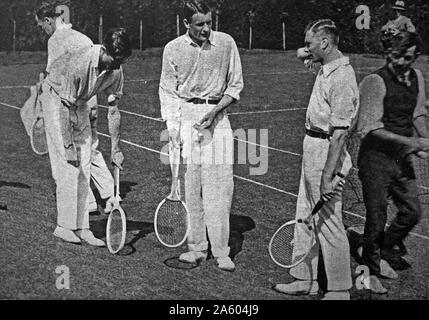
[116,229]
[172,221]
[288,248]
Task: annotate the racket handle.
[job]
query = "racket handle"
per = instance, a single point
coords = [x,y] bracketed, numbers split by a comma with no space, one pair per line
[116,176]
[337,179]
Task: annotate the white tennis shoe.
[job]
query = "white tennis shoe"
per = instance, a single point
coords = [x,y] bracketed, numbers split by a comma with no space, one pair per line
[337,295]
[225,263]
[298,288]
[193,257]
[87,236]
[66,235]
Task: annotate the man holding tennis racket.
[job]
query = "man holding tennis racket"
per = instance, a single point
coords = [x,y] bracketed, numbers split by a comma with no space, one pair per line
[73,80]
[393,122]
[63,40]
[332,107]
[201,76]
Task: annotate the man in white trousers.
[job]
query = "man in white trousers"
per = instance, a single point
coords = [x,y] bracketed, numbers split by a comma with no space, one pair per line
[332,107]
[73,80]
[62,40]
[201,76]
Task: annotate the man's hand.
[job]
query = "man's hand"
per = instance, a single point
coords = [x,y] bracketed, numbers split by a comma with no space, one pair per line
[420,144]
[117,159]
[422,155]
[174,138]
[329,187]
[42,76]
[303,54]
[206,121]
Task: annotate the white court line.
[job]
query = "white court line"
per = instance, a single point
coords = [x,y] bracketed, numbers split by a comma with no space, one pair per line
[10,106]
[266,111]
[236,176]
[270,148]
[15,87]
[244,75]
[135,114]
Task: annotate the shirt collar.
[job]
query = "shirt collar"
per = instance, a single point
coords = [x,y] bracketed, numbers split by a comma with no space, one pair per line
[64,26]
[211,40]
[330,67]
[59,25]
[405,78]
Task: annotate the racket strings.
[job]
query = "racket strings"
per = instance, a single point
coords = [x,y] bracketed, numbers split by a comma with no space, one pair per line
[284,246]
[172,222]
[115,230]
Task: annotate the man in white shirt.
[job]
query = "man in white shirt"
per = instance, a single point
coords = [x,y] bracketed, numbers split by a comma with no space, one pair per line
[331,110]
[63,40]
[201,76]
[73,80]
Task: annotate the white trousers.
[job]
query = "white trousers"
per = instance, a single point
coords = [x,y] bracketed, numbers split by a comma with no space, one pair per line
[100,173]
[72,184]
[209,181]
[331,236]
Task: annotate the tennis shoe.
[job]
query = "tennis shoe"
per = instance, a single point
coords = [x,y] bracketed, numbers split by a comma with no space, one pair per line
[66,235]
[337,295]
[193,257]
[387,271]
[298,288]
[225,263]
[374,285]
[87,236]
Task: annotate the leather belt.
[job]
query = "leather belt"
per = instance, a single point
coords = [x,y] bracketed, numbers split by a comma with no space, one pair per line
[317,134]
[203,101]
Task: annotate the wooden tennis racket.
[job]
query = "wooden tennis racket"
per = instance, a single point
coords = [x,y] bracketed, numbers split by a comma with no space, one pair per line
[172,221]
[116,229]
[286,248]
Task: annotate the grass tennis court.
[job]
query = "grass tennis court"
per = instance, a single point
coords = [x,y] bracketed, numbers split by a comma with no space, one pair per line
[276,93]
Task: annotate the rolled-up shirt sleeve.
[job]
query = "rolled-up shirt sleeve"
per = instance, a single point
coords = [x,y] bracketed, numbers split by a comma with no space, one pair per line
[372,92]
[235,75]
[168,97]
[420,109]
[115,90]
[344,101]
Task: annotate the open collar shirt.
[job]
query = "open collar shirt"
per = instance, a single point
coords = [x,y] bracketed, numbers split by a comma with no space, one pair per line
[207,72]
[335,97]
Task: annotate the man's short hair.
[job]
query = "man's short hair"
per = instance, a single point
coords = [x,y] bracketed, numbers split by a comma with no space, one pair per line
[191,7]
[48,10]
[327,27]
[402,41]
[117,43]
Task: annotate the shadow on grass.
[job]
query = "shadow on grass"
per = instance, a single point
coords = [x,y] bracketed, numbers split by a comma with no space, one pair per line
[238,226]
[98,227]
[124,188]
[14,185]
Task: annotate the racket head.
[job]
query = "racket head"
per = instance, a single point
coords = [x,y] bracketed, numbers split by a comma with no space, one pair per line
[172,223]
[283,247]
[116,229]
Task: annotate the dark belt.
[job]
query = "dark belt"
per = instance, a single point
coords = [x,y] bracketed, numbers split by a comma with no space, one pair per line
[203,101]
[317,134]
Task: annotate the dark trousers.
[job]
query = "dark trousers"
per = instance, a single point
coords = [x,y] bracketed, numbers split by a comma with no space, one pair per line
[384,177]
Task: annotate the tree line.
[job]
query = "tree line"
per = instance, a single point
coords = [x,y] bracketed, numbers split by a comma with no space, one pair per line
[158,21]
